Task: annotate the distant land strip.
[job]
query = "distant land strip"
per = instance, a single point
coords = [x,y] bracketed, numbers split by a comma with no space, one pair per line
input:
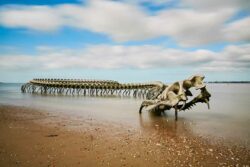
[238,82]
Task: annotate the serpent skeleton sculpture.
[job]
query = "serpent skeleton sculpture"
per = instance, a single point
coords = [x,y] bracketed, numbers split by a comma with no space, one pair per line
[158,96]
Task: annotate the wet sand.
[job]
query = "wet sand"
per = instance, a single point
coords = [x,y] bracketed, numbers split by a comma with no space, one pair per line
[32,137]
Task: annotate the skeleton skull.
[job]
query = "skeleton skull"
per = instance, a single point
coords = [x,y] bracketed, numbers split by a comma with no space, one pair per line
[177,93]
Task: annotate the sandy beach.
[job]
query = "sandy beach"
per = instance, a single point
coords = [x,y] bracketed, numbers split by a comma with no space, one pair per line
[124,83]
[32,137]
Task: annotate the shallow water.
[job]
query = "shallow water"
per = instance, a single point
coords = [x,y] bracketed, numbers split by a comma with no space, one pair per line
[228,118]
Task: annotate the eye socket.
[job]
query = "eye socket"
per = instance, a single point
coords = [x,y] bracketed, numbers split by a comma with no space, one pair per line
[176,91]
[188,93]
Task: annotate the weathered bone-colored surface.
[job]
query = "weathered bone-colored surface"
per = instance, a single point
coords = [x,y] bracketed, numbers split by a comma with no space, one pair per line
[176,96]
[159,96]
[88,87]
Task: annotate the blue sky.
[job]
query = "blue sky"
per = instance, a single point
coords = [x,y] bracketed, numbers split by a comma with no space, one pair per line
[124,40]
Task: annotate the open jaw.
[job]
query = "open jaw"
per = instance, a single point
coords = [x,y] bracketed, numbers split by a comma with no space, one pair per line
[202,97]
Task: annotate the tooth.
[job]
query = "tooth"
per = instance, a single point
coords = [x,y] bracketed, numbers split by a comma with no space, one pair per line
[208,106]
[183,105]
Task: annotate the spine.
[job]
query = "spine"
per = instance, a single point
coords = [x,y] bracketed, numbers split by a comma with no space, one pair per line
[88,87]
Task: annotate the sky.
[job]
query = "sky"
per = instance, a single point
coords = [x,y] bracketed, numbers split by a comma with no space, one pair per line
[125,40]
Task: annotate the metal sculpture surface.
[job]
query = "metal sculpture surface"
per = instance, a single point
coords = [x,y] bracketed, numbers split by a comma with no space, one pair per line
[176,96]
[158,96]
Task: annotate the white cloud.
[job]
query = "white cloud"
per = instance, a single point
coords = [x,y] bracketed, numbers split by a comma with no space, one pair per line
[216,5]
[191,27]
[125,21]
[121,21]
[141,57]
[232,58]
[151,2]
[41,18]
[238,30]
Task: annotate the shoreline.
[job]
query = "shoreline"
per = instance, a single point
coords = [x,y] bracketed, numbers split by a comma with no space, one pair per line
[31,137]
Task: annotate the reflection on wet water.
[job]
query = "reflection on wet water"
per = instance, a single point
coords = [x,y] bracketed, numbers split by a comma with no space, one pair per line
[163,124]
[229,116]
